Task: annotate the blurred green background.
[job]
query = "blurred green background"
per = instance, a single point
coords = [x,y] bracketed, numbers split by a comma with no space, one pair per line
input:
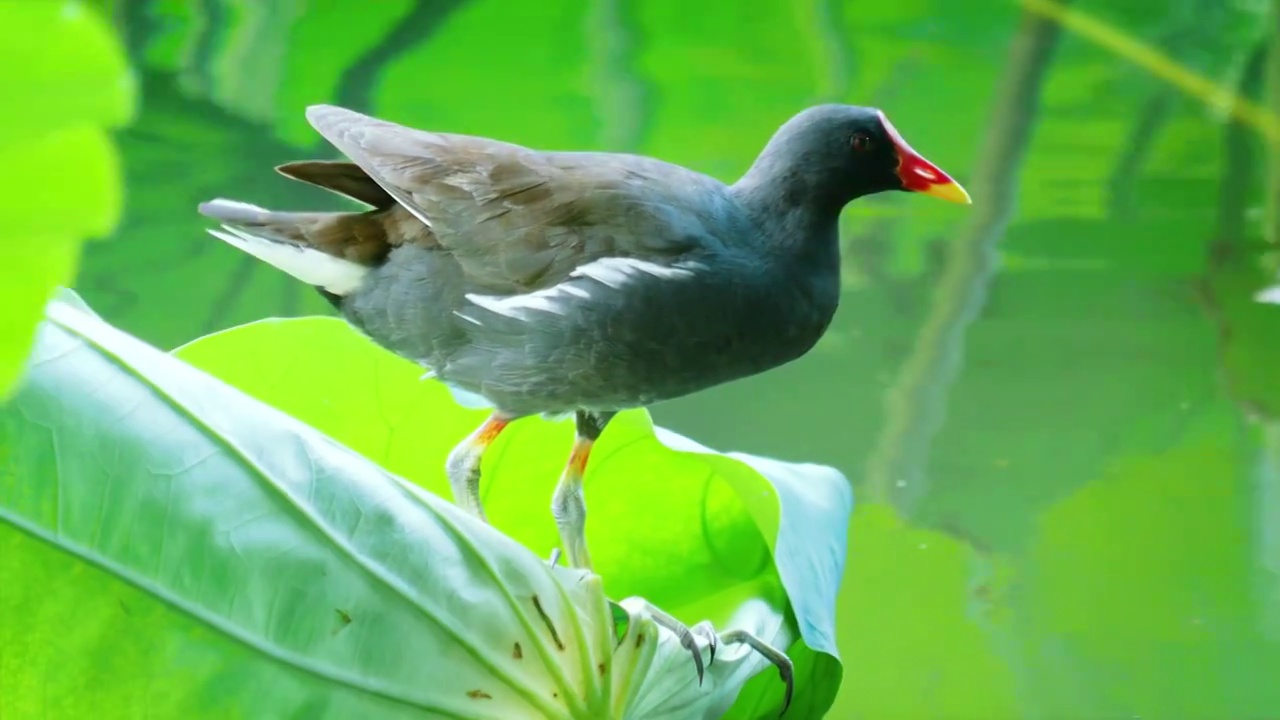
[1060,407]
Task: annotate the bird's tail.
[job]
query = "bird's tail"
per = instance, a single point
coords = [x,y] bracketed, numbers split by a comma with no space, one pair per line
[312,247]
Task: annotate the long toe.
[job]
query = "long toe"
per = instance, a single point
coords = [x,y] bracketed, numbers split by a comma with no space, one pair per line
[688,640]
[779,659]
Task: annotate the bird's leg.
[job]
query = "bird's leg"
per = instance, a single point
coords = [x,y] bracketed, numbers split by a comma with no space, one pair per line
[567,504]
[463,465]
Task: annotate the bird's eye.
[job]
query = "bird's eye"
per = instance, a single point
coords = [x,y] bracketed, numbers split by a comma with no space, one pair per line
[860,142]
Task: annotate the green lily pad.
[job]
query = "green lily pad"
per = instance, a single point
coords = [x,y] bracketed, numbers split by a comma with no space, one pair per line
[67,79]
[175,548]
[687,528]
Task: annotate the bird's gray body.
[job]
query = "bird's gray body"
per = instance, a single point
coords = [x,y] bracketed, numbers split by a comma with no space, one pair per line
[557,282]
[622,334]
[549,282]
[698,294]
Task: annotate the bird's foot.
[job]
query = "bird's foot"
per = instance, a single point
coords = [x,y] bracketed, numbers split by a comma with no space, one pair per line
[689,640]
[688,636]
[779,659]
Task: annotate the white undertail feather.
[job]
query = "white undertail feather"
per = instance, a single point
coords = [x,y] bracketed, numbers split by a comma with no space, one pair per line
[334,274]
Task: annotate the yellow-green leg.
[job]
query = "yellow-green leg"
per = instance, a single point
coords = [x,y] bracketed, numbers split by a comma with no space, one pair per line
[463,465]
[567,504]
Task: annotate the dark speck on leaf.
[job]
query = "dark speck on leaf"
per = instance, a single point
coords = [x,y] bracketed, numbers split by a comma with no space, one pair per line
[601,668]
[639,639]
[479,695]
[516,652]
[344,619]
[546,620]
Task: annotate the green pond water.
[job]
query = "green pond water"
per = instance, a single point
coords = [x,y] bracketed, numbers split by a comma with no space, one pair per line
[1059,407]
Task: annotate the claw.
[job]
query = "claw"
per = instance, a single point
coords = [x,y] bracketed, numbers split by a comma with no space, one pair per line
[707,631]
[687,639]
[779,659]
[555,557]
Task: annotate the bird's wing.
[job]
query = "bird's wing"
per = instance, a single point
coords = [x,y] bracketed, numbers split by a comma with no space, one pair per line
[343,178]
[517,219]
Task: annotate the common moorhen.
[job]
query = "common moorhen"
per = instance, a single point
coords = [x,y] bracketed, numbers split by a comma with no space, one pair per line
[579,282]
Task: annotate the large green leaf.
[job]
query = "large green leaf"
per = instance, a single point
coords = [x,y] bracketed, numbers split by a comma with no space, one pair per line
[173,548]
[65,80]
[687,528]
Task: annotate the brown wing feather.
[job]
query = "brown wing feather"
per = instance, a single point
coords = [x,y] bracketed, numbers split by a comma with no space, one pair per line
[344,178]
[517,219]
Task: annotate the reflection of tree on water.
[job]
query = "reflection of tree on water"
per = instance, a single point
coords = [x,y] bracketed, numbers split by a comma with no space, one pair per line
[1248,333]
[415,27]
[916,403]
[1194,29]
[623,100]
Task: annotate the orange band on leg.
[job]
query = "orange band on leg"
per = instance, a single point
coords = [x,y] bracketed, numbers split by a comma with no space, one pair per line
[579,456]
[490,430]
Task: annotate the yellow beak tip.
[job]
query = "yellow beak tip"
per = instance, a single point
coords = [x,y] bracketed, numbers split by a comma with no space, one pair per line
[951,192]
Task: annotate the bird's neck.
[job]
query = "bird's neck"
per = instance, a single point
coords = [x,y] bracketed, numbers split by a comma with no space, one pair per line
[802,244]
[794,216]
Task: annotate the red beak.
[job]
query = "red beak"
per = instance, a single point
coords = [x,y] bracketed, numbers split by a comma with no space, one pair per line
[920,175]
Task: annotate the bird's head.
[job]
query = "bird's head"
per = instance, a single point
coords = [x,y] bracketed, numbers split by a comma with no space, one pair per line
[845,152]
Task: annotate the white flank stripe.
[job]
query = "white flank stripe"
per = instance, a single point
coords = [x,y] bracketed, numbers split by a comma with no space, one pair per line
[612,276]
[501,306]
[614,272]
[468,318]
[558,299]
